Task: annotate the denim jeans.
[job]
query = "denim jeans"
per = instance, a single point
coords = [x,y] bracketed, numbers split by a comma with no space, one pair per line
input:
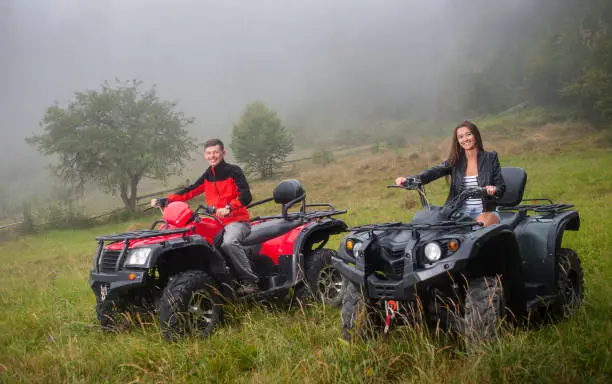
[473,213]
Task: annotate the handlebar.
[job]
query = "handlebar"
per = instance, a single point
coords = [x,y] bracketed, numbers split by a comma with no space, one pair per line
[456,204]
[206,211]
[411,183]
[414,184]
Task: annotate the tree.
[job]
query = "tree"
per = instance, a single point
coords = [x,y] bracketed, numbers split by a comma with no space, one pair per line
[5,205]
[115,137]
[259,141]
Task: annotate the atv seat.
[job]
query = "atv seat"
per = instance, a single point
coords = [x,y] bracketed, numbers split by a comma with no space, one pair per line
[269,230]
[287,193]
[516,179]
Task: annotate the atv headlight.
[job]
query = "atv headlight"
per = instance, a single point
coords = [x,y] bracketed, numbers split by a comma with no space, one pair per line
[358,249]
[138,257]
[433,252]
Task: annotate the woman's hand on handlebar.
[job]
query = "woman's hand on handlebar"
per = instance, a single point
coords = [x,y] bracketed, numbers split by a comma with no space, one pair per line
[490,190]
[400,181]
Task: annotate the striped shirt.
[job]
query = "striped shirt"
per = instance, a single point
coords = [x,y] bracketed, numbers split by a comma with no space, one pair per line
[472,204]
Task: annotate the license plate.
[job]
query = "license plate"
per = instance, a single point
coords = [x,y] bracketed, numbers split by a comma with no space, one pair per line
[103,291]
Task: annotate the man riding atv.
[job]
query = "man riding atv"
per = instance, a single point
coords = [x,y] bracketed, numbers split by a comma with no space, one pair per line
[179,271]
[228,194]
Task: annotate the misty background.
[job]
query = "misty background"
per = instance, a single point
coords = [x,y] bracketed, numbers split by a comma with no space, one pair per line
[322,65]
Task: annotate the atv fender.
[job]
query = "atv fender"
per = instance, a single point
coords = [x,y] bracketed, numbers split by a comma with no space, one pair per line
[497,252]
[566,221]
[188,253]
[319,231]
[539,239]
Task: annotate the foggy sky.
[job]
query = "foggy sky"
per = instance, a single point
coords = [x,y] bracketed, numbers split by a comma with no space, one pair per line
[315,62]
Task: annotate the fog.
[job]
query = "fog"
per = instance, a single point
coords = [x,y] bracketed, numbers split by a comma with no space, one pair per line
[320,64]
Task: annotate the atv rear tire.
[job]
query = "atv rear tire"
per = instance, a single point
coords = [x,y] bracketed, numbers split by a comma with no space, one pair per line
[358,319]
[191,304]
[483,311]
[323,281]
[570,284]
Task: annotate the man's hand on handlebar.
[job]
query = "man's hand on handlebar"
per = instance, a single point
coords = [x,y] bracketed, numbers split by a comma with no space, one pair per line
[161,202]
[400,181]
[223,212]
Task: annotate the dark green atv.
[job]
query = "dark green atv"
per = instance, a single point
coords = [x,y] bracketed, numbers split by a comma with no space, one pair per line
[449,271]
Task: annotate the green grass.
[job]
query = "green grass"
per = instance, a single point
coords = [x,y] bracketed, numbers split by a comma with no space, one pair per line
[48,331]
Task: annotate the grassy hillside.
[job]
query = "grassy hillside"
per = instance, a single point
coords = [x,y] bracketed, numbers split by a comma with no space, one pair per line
[48,331]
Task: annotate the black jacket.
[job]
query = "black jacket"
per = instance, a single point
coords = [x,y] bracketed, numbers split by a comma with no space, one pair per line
[489,173]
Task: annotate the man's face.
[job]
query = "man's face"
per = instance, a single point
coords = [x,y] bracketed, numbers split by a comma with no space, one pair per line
[214,155]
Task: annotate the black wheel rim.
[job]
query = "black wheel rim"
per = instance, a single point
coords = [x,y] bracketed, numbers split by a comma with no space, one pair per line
[330,283]
[571,292]
[200,310]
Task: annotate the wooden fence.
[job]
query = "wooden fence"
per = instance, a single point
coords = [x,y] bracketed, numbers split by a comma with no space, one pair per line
[16,226]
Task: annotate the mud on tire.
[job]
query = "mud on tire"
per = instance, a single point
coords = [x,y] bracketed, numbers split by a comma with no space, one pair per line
[190,305]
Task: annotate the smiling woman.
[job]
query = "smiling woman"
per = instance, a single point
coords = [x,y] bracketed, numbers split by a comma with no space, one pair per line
[470,167]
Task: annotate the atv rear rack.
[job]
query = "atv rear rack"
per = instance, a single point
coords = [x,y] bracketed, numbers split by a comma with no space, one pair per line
[302,214]
[539,208]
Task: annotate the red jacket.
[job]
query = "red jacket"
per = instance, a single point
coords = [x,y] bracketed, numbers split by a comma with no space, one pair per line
[224,184]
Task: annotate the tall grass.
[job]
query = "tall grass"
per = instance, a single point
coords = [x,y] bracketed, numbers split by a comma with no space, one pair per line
[48,330]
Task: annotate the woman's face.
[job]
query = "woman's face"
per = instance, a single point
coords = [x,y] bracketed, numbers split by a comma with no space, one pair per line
[465,138]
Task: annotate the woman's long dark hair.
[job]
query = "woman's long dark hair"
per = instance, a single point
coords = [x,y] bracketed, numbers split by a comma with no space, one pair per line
[456,151]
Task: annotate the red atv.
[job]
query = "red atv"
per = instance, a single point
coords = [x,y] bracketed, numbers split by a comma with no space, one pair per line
[180,271]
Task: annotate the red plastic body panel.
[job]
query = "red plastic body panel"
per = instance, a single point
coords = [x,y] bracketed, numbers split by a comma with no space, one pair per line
[177,214]
[208,228]
[282,245]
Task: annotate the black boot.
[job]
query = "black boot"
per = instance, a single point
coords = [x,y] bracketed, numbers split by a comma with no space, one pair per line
[247,288]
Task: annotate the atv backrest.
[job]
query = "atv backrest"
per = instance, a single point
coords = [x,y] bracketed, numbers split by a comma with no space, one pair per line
[288,190]
[515,179]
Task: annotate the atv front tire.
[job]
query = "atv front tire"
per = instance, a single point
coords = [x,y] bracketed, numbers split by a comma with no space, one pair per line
[483,311]
[109,316]
[323,281]
[190,304]
[358,319]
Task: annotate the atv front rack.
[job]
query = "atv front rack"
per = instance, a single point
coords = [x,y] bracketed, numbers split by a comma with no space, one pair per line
[402,226]
[142,234]
[126,237]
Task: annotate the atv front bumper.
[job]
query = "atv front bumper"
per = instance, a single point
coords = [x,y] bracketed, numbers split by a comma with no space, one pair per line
[110,284]
[405,288]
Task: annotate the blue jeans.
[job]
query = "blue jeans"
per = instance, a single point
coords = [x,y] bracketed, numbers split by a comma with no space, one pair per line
[473,213]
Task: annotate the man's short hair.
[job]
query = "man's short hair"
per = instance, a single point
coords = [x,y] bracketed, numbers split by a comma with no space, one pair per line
[213,142]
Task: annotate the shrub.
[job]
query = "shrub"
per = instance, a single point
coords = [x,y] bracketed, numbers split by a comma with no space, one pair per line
[322,157]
